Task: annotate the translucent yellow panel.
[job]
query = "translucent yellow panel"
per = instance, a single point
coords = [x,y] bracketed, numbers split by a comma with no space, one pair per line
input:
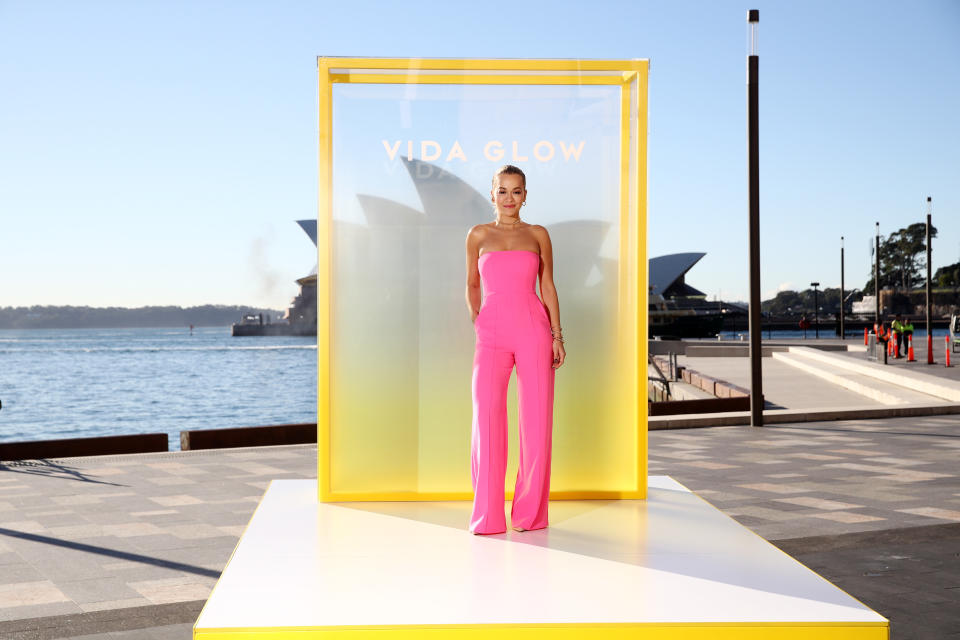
[408,166]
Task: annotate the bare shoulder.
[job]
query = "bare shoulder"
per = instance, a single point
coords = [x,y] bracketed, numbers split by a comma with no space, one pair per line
[477,233]
[478,230]
[539,232]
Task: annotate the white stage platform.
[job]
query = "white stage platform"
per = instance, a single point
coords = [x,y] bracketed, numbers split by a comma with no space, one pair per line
[671,566]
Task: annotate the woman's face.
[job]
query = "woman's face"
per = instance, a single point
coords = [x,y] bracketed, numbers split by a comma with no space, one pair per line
[508,194]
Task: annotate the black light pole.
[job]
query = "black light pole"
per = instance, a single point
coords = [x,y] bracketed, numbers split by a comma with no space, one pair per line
[753,187]
[929,328]
[843,334]
[876,278]
[816,318]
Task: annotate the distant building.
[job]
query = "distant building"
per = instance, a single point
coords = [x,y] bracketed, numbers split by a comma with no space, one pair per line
[867,306]
[303,308]
[300,318]
[678,310]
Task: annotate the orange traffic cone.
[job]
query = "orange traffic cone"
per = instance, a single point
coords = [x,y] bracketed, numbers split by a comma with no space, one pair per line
[865,341]
[910,357]
[895,343]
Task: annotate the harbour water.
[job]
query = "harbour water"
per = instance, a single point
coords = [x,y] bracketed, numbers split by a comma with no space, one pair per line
[70,383]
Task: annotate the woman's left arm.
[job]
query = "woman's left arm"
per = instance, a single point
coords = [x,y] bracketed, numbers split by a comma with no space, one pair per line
[548,291]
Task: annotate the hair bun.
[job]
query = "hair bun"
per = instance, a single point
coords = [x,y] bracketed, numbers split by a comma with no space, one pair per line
[510,170]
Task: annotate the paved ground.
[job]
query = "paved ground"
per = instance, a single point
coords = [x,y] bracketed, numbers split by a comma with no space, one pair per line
[87,536]
[821,478]
[129,546]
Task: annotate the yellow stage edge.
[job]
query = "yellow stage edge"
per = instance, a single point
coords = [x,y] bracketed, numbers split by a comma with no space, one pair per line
[665,631]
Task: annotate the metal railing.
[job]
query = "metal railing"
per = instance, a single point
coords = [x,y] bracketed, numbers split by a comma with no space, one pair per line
[660,378]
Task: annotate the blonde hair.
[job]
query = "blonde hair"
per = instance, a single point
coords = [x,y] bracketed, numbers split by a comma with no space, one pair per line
[511,170]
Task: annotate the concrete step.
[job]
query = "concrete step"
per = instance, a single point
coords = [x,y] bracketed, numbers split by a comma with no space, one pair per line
[942,388]
[883,393]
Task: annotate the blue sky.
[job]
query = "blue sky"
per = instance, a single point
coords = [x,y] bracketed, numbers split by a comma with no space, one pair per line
[158,152]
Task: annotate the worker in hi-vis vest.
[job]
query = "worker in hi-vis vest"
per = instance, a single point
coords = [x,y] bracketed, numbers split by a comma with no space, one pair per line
[904,331]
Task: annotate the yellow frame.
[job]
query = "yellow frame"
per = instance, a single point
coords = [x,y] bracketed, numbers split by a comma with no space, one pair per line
[631,76]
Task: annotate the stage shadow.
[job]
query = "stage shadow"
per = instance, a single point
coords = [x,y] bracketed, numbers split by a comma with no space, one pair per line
[673,531]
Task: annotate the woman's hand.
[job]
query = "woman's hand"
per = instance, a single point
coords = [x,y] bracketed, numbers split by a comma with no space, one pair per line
[559,354]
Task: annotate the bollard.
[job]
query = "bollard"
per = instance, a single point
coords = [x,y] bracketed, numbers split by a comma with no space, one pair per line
[948,350]
[865,342]
[910,357]
[896,346]
[929,347]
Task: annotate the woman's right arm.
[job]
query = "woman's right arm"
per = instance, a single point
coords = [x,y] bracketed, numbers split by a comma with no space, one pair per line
[473,272]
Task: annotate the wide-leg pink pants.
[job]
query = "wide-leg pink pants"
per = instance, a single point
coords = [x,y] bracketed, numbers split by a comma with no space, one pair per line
[512,330]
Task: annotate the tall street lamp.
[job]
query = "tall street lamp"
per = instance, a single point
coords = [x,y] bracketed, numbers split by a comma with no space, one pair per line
[843,333]
[753,189]
[876,279]
[929,328]
[816,307]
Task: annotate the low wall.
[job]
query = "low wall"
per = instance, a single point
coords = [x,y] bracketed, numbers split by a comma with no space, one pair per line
[272,435]
[300,433]
[73,447]
[705,405]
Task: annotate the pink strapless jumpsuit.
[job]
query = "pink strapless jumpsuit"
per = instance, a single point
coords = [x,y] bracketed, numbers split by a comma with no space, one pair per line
[513,327]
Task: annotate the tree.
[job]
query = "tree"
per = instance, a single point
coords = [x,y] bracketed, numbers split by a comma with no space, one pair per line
[902,258]
[948,276]
[793,303]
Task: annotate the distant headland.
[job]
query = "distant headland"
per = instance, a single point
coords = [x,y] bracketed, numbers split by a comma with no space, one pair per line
[69,317]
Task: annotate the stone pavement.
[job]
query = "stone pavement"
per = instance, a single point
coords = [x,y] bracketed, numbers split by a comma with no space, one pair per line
[130,546]
[814,478]
[146,535]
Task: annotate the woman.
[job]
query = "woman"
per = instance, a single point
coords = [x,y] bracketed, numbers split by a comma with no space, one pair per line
[513,327]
